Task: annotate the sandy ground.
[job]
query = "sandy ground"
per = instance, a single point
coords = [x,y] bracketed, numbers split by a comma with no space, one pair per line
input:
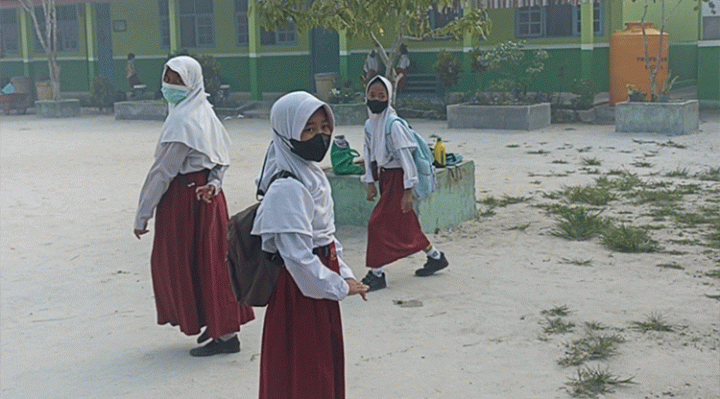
[78,317]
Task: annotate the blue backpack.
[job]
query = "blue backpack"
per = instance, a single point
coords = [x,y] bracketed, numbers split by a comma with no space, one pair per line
[423,157]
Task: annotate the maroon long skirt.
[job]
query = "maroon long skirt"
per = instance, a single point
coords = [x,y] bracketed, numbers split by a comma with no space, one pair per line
[302,346]
[392,234]
[190,276]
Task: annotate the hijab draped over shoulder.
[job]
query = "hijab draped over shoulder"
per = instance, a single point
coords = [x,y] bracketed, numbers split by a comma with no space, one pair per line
[306,203]
[375,137]
[192,121]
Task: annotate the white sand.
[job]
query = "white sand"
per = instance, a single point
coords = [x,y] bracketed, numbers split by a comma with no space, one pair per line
[78,316]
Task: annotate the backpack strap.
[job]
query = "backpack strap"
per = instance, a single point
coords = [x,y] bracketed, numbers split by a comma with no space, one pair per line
[388,128]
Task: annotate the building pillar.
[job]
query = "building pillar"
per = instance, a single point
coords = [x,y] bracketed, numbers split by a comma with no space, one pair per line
[587,38]
[174,22]
[90,42]
[253,49]
[344,56]
[24,42]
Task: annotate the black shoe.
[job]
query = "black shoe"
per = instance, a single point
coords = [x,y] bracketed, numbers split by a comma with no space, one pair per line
[217,346]
[374,282]
[203,337]
[432,266]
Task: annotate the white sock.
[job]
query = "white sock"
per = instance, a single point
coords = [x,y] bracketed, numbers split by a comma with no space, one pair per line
[433,253]
[227,337]
[377,272]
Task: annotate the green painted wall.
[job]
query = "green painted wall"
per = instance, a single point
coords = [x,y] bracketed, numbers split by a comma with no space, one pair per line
[709,74]
[683,24]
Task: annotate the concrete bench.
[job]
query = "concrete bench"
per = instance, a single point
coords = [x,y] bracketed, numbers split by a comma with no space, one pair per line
[451,204]
[142,110]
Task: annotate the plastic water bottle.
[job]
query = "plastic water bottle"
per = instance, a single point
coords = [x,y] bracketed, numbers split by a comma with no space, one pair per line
[439,153]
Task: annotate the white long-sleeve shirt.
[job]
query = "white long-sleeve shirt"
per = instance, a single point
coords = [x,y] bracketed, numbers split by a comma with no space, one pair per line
[401,158]
[313,278]
[173,158]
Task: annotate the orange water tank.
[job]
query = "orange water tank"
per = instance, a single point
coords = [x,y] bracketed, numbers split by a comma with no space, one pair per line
[627,60]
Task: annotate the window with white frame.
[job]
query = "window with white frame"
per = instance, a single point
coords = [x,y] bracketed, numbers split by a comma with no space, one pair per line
[197,23]
[67,28]
[241,22]
[711,21]
[286,35]
[556,20]
[9,32]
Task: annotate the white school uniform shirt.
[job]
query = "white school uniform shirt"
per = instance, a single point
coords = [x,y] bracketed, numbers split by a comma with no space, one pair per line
[402,142]
[192,139]
[296,214]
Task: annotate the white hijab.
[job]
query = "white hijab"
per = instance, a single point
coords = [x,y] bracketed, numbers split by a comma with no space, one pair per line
[375,136]
[192,121]
[288,117]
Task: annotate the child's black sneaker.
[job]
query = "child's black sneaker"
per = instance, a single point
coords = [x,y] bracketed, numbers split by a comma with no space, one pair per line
[374,282]
[432,266]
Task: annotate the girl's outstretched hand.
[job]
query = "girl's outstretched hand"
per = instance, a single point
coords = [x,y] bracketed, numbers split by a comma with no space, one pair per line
[357,288]
[205,193]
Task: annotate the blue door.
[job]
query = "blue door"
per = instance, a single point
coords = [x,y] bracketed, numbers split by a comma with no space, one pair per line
[325,52]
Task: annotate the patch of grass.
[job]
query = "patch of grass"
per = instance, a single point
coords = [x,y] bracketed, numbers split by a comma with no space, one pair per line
[681,173]
[522,227]
[589,171]
[671,265]
[688,189]
[714,237]
[660,213]
[489,201]
[655,196]
[538,152]
[558,326]
[592,195]
[590,347]
[685,241]
[558,311]
[578,223]
[713,273]
[508,200]
[675,252]
[673,144]
[626,182]
[584,149]
[616,172]
[590,383]
[625,238]
[642,164]
[654,322]
[712,174]
[691,219]
[559,161]
[594,326]
[577,261]
[590,161]
[512,145]
[487,213]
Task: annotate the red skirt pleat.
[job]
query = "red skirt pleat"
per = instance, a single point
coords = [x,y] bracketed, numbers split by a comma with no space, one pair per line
[392,234]
[189,273]
[302,346]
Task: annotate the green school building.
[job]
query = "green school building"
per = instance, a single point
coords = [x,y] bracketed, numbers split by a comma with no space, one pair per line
[95,37]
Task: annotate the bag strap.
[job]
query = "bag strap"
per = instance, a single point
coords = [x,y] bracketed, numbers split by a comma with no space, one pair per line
[259,194]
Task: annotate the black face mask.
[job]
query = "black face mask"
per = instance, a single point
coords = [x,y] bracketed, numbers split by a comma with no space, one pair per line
[376,106]
[313,149]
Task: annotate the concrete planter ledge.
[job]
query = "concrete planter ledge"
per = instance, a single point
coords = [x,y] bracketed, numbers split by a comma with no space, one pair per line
[141,110]
[509,117]
[672,118]
[451,204]
[57,109]
[349,114]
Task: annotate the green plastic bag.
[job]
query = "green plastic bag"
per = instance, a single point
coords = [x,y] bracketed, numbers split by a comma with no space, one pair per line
[342,157]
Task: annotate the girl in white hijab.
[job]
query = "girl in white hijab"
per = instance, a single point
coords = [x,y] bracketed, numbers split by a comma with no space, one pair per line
[302,347]
[184,190]
[394,231]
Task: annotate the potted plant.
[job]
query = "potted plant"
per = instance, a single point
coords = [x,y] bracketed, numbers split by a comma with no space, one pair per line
[655,112]
[348,105]
[47,35]
[507,103]
[584,102]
